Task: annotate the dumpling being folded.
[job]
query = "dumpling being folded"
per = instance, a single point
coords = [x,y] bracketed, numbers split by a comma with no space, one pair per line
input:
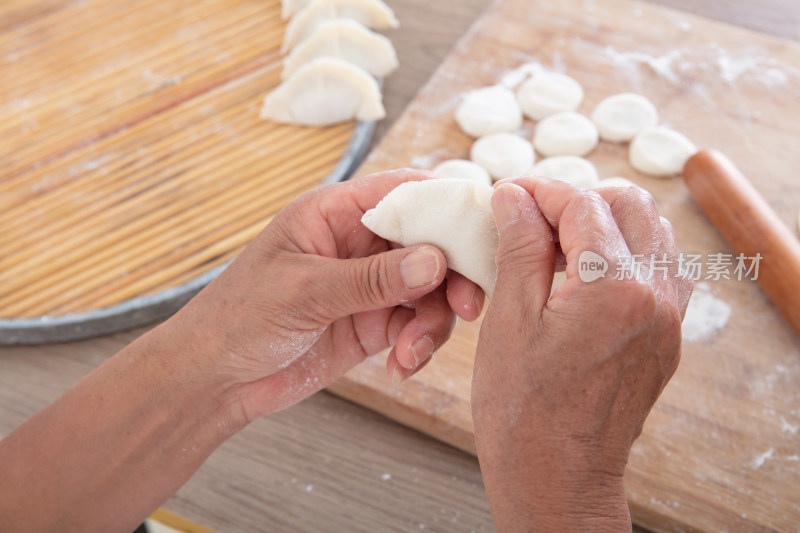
[290,7]
[454,215]
[373,14]
[323,92]
[348,40]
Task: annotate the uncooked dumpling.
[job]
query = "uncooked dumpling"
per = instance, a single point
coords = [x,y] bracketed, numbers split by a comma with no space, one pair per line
[348,40]
[660,152]
[573,170]
[290,7]
[463,169]
[323,92]
[489,110]
[567,133]
[549,93]
[504,155]
[371,13]
[451,214]
[621,117]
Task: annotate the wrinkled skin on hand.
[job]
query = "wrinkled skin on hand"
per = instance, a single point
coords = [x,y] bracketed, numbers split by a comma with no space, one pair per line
[316,292]
[563,383]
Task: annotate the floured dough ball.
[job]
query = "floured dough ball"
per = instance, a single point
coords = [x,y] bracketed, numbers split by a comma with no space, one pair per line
[463,169]
[573,170]
[549,93]
[567,133]
[615,182]
[660,152]
[504,155]
[453,215]
[347,40]
[323,92]
[621,117]
[373,14]
[489,110]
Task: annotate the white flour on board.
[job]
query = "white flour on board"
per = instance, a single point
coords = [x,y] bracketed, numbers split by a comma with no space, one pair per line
[428,161]
[705,314]
[766,70]
[521,73]
[752,65]
[661,65]
[761,459]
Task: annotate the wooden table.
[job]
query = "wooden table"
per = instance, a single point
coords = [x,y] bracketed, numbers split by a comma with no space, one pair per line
[327,464]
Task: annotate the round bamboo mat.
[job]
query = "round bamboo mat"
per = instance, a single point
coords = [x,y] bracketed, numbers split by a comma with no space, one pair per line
[134,164]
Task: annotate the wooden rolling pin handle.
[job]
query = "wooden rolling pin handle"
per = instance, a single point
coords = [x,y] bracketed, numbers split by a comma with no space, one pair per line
[750,226]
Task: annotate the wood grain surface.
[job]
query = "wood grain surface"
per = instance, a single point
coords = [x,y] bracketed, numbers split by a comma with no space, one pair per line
[135,159]
[720,451]
[340,448]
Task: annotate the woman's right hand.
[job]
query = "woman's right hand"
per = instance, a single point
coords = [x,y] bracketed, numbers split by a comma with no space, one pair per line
[563,383]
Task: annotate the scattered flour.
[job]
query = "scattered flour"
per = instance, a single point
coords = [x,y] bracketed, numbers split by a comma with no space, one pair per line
[789,428]
[285,349]
[513,78]
[765,70]
[661,65]
[428,161]
[761,459]
[754,66]
[705,314]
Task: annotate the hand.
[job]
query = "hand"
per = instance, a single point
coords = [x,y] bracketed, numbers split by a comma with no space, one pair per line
[316,293]
[563,383]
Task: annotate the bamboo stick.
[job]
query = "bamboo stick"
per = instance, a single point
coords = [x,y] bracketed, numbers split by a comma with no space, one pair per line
[68,257]
[252,217]
[62,143]
[194,59]
[82,61]
[125,184]
[24,30]
[143,132]
[91,98]
[196,197]
[89,230]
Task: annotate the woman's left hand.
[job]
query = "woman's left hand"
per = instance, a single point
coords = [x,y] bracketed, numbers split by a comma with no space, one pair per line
[315,294]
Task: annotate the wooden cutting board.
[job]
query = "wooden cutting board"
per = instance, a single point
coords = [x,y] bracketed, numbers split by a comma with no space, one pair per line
[134,159]
[721,450]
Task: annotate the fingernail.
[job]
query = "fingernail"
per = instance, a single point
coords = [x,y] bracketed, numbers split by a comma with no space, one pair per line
[397,376]
[475,300]
[506,205]
[419,268]
[422,350]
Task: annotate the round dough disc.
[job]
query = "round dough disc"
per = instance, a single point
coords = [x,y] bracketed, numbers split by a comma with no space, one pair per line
[549,93]
[620,117]
[489,110]
[567,133]
[463,169]
[504,155]
[573,170]
[660,152]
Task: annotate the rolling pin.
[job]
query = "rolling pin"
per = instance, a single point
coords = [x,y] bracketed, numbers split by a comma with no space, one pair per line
[750,226]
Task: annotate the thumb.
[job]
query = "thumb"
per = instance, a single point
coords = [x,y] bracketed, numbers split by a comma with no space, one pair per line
[383,280]
[526,251]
